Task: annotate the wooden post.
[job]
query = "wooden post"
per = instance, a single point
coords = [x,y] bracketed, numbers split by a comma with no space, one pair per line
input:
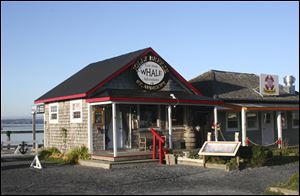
[279,129]
[244,123]
[8,139]
[170,126]
[208,136]
[160,152]
[114,119]
[215,122]
[33,129]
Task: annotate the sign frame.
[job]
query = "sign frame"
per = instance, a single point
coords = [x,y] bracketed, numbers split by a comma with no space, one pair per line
[233,153]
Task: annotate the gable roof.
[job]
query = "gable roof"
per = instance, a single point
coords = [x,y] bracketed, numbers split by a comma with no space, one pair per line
[233,86]
[95,75]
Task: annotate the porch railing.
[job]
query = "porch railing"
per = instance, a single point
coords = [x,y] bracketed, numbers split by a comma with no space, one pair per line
[161,141]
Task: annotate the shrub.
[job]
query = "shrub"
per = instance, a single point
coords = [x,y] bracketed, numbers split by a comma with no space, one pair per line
[260,155]
[232,164]
[50,153]
[193,154]
[77,153]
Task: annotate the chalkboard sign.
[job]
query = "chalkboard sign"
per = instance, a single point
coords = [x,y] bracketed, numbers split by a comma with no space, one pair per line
[220,148]
[99,117]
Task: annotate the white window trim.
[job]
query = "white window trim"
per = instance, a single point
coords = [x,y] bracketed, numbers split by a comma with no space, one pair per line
[238,122]
[293,126]
[75,120]
[51,121]
[286,120]
[253,128]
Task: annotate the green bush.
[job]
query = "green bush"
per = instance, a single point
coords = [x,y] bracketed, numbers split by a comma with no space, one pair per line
[260,155]
[77,153]
[232,164]
[50,153]
[194,154]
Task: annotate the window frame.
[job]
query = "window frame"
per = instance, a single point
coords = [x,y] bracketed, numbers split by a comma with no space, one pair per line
[257,122]
[72,119]
[238,122]
[294,126]
[53,121]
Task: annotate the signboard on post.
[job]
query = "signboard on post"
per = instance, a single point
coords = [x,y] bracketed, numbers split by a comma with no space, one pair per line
[219,148]
[268,84]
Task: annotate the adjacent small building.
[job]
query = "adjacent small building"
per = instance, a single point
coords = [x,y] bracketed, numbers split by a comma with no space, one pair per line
[257,114]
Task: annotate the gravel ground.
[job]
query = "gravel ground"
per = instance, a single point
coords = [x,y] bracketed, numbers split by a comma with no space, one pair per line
[18,178]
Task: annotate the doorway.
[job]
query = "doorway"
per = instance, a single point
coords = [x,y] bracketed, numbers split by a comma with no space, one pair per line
[267,124]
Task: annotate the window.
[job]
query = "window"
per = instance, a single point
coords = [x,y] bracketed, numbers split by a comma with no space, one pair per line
[252,120]
[295,119]
[53,113]
[232,121]
[177,116]
[76,111]
[284,120]
[148,116]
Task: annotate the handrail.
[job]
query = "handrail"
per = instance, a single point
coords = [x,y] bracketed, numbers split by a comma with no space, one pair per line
[160,149]
[157,135]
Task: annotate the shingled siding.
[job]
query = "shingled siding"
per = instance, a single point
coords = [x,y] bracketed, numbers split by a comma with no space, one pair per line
[77,133]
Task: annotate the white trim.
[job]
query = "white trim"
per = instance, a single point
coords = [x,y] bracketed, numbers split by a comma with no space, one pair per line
[170,125]
[216,121]
[293,126]
[53,121]
[238,122]
[279,127]
[90,130]
[100,103]
[72,119]
[244,125]
[257,122]
[114,125]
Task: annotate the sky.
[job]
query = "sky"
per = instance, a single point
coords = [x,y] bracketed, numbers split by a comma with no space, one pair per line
[44,43]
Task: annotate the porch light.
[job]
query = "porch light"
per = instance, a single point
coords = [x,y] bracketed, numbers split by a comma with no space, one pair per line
[173,97]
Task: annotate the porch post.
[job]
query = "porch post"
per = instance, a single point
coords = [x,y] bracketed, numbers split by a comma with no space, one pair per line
[279,129]
[170,126]
[215,122]
[244,123]
[90,131]
[114,124]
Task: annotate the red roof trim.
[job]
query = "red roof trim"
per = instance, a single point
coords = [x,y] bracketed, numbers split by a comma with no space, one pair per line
[60,98]
[153,100]
[115,74]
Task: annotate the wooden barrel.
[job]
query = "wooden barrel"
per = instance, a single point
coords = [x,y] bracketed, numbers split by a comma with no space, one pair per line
[189,138]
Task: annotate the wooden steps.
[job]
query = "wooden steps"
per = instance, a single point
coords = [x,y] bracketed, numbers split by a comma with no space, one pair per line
[115,164]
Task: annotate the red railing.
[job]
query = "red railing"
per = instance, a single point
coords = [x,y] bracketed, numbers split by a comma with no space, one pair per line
[161,141]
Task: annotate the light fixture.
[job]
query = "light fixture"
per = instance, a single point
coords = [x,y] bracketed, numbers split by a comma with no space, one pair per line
[173,97]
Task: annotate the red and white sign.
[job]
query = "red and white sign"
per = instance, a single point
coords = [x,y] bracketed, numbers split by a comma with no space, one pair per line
[269,84]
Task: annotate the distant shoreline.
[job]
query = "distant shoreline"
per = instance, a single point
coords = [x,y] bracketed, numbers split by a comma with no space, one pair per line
[21,121]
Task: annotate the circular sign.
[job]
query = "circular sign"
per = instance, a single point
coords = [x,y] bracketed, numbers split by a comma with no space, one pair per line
[150,73]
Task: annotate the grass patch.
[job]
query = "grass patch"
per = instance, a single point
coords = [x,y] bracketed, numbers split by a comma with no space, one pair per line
[291,184]
[72,157]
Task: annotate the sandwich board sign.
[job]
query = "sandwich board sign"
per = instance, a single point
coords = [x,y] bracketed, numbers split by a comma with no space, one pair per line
[222,148]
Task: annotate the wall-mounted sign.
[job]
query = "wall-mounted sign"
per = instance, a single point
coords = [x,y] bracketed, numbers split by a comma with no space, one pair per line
[268,84]
[150,73]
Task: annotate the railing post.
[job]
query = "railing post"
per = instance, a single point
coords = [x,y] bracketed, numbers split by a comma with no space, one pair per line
[154,148]
[160,152]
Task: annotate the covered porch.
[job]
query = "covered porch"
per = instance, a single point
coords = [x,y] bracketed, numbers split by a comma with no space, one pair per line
[118,127]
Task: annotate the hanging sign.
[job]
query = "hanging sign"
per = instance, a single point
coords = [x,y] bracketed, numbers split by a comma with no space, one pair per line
[150,73]
[269,84]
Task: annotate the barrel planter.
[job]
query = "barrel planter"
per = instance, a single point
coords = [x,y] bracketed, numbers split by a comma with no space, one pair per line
[189,138]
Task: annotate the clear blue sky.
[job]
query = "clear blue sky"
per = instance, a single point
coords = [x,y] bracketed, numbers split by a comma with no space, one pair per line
[43,43]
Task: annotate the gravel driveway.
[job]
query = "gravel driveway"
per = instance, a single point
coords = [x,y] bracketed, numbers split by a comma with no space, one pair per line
[18,178]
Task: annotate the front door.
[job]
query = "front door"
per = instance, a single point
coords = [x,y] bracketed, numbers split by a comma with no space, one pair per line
[267,128]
